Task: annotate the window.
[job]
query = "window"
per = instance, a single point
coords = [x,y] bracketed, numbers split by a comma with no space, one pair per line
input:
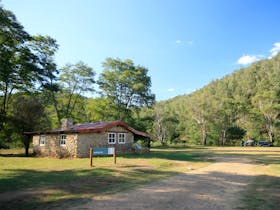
[121,138]
[111,138]
[63,140]
[42,140]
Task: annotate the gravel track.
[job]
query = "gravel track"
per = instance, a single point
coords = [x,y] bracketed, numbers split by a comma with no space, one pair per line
[216,186]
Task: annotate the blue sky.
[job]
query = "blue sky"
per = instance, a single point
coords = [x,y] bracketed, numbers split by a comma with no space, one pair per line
[185,44]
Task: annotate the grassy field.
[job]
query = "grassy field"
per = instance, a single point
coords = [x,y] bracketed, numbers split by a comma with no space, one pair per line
[49,182]
[263,192]
[55,182]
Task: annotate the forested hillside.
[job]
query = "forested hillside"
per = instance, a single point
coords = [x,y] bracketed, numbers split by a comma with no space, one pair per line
[242,105]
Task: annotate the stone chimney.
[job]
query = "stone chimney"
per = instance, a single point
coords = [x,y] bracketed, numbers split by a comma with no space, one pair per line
[66,123]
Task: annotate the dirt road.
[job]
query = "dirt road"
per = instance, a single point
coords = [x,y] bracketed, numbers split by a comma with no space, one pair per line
[214,187]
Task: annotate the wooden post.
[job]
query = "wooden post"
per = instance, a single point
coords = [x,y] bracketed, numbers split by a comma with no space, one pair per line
[90,155]
[115,156]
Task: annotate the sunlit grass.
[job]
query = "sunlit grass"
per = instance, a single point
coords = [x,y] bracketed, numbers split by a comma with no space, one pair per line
[68,182]
[65,180]
[263,192]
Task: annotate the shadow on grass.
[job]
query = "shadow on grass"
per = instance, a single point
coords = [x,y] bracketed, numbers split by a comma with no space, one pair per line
[31,189]
[266,159]
[262,193]
[36,203]
[22,179]
[209,155]
[170,155]
[214,190]
[241,149]
[76,187]
[173,146]
[14,154]
[19,152]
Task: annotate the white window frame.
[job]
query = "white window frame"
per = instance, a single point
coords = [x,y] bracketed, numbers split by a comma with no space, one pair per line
[62,140]
[110,137]
[121,138]
[42,140]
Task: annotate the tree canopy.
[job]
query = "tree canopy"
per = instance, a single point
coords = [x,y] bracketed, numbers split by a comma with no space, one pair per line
[242,104]
[126,85]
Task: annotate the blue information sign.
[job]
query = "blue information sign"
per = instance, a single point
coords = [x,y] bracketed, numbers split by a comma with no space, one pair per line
[100,151]
[103,151]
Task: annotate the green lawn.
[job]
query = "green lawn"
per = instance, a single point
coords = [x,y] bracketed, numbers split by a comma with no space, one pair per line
[67,182]
[264,191]
[64,181]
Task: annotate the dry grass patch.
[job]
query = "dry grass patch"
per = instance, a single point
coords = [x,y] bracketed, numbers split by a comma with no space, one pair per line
[33,183]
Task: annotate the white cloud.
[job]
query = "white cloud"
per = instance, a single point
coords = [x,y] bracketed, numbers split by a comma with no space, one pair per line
[248,59]
[171,89]
[178,41]
[184,43]
[275,49]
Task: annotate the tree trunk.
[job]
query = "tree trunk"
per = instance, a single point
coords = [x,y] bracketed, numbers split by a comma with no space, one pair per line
[224,138]
[149,143]
[162,141]
[269,129]
[270,134]
[204,135]
[26,142]
[3,109]
[56,107]
[26,150]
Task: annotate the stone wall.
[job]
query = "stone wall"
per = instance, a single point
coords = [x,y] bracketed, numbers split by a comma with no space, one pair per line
[77,145]
[85,140]
[53,148]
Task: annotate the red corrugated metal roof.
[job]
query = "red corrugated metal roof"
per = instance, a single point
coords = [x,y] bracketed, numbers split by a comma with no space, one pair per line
[92,128]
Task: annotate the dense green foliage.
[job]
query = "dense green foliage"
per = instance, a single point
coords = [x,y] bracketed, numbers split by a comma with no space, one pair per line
[36,95]
[125,85]
[244,104]
[23,69]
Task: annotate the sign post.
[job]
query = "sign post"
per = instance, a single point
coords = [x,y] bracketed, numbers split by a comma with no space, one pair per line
[101,152]
[90,155]
[115,157]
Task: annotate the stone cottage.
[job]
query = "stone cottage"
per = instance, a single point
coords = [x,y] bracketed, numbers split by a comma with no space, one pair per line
[75,140]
